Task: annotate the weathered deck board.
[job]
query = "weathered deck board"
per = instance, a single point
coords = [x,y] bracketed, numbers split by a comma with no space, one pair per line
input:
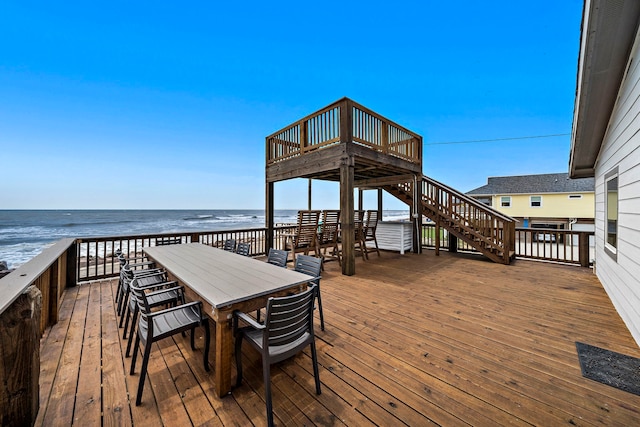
[413,339]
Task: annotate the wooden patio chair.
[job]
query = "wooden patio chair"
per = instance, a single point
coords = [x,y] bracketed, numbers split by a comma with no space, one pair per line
[155,326]
[369,233]
[358,228]
[243,249]
[304,238]
[312,266]
[328,236]
[278,257]
[287,330]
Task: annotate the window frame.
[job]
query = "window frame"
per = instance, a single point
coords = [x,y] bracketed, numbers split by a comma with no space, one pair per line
[611,249]
[508,199]
[531,205]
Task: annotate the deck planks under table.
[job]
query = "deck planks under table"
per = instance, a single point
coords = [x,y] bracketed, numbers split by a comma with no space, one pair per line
[412,339]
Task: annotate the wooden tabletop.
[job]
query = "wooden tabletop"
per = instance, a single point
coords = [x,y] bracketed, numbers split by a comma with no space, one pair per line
[223,278]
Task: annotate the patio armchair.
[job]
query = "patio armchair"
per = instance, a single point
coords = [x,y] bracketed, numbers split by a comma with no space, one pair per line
[229,245]
[328,236]
[155,326]
[304,238]
[369,233]
[312,266]
[243,249]
[287,330]
[127,274]
[278,257]
[160,292]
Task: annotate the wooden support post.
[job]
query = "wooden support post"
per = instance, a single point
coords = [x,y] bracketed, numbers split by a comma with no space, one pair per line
[347,226]
[380,204]
[268,244]
[347,182]
[309,194]
[72,265]
[416,217]
[437,227]
[20,359]
[360,197]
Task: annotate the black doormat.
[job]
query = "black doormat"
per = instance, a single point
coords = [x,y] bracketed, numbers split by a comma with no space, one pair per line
[611,368]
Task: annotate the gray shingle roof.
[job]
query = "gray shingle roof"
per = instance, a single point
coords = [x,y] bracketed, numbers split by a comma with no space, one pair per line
[534,184]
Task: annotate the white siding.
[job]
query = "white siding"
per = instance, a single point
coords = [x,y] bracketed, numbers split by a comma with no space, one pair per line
[621,148]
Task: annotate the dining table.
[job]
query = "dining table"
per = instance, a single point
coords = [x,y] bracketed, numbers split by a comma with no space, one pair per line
[225,282]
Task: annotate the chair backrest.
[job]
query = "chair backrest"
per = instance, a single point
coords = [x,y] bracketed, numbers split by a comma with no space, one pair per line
[161,241]
[243,249]
[329,227]
[307,228]
[229,245]
[309,265]
[288,319]
[358,222]
[278,257]
[371,223]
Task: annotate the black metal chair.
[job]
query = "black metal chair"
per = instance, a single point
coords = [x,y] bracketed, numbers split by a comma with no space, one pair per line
[287,330]
[160,292]
[123,291]
[312,266]
[154,326]
[229,245]
[243,249]
[278,257]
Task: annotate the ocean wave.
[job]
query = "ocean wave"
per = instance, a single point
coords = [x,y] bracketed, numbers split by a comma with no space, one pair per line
[199,218]
[84,224]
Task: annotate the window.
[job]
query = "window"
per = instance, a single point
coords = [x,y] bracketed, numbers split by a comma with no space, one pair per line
[535,201]
[611,209]
[575,196]
[505,201]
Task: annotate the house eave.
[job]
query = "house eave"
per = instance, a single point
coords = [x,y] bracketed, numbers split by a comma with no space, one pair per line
[608,32]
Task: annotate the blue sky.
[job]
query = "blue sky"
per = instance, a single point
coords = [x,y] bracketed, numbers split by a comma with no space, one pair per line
[166,105]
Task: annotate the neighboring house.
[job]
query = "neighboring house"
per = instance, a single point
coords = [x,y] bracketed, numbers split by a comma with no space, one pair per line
[606,145]
[541,201]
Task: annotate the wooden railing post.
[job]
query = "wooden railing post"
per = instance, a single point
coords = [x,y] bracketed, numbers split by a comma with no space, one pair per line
[20,359]
[583,249]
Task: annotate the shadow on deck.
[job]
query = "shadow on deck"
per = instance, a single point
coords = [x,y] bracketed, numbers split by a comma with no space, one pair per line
[413,339]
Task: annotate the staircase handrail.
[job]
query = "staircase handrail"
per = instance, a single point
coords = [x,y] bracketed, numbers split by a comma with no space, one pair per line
[468,199]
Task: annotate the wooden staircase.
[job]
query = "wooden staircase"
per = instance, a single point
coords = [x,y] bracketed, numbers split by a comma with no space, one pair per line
[485,229]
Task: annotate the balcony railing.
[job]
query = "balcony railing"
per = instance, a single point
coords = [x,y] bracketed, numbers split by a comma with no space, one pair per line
[322,129]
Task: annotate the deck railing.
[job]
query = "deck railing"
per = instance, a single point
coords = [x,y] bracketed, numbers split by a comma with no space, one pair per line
[563,246]
[29,300]
[97,260]
[322,129]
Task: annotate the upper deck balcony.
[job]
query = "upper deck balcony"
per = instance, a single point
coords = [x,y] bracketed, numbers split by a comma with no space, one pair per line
[342,133]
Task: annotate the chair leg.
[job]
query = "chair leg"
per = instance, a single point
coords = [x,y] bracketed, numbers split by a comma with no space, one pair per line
[122,317]
[320,307]
[135,355]
[266,371]
[207,340]
[143,371]
[132,331]
[316,372]
[193,338]
[239,358]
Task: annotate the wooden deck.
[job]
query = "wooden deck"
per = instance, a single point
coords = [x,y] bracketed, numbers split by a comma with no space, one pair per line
[410,340]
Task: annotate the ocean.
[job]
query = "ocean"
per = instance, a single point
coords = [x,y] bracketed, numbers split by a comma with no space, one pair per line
[25,233]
